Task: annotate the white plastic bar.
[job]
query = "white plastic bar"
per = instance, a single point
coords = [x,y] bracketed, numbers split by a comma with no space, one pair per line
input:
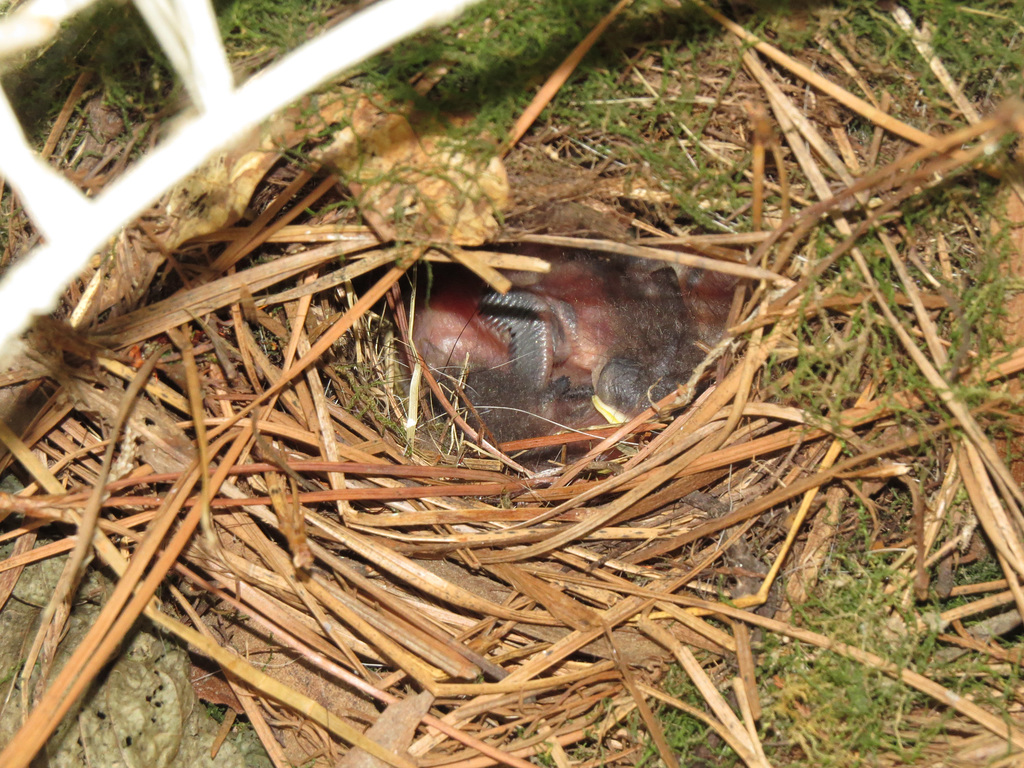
[35,22]
[47,196]
[35,284]
[187,31]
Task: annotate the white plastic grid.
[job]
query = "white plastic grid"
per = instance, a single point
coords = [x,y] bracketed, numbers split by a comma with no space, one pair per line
[73,226]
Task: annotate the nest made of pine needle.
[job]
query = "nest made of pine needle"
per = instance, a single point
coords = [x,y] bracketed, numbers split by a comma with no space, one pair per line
[533,608]
[269,472]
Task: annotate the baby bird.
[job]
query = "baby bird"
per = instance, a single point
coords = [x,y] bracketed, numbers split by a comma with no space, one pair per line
[624,329]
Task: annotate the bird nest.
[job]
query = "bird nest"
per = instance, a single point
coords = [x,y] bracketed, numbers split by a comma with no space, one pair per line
[225,422]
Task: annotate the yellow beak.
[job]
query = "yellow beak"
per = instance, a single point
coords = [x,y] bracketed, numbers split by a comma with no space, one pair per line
[613,415]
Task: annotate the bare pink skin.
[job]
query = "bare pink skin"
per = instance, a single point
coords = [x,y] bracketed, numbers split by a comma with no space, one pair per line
[534,357]
[450,331]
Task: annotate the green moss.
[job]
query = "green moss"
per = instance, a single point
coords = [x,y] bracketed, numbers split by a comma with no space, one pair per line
[693,742]
[112,42]
[256,27]
[823,709]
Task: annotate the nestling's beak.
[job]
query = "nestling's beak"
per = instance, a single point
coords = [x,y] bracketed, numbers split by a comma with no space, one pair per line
[612,414]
